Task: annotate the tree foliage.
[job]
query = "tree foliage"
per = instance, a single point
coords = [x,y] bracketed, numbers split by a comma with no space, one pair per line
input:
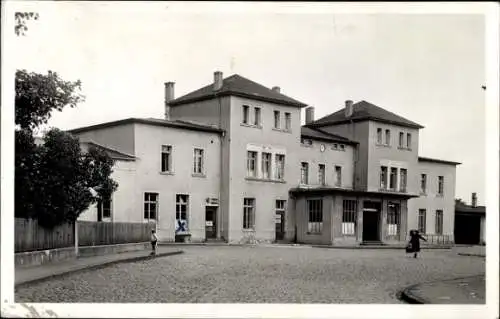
[37,95]
[22,18]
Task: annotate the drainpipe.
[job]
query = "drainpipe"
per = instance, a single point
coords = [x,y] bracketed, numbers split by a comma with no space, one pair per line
[220,220]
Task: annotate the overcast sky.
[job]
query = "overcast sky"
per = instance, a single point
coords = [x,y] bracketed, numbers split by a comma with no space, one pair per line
[427,68]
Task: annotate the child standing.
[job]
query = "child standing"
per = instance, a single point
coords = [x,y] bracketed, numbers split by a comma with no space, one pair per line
[154,241]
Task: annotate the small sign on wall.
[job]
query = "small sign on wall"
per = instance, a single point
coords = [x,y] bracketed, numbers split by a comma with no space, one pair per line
[209,223]
[277,219]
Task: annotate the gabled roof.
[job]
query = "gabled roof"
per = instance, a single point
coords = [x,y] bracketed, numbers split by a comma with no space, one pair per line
[237,85]
[364,111]
[150,121]
[318,134]
[433,160]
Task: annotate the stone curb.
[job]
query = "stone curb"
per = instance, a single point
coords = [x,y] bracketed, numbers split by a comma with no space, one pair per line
[95,267]
[472,255]
[381,247]
[408,296]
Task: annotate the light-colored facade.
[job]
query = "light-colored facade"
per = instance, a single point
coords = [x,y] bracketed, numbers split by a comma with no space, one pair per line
[266,178]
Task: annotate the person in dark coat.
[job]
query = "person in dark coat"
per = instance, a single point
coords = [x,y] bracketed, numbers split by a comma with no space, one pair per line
[415,242]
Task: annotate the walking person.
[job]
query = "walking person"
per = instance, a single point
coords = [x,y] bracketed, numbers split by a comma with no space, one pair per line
[154,241]
[414,245]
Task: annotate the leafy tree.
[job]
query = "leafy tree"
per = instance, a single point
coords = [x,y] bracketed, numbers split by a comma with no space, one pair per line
[20,27]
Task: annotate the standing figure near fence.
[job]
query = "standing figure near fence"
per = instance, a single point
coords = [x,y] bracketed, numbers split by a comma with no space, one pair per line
[154,242]
[414,244]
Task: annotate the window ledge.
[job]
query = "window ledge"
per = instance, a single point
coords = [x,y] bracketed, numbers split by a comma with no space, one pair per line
[201,175]
[256,179]
[383,145]
[167,173]
[402,148]
[251,125]
[283,130]
[248,230]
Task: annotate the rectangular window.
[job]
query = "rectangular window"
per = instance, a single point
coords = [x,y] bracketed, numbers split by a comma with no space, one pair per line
[280,167]
[342,147]
[423,183]
[393,178]
[251,164]
[103,208]
[166,158]
[150,206]
[439,222]
[393,220]
[349,217]
[198,161]
[408,141]
[288,121]
[248,213]
[338,176]
[181,213]
[266,165]
[387,137]
[379,136]
[422,220]
[315,212]
[277,119]
[257,116]
[403,173]
[245,114]
[383,177]
[401,139]
[304,172]
[321,174]
[280,206]
[440,185]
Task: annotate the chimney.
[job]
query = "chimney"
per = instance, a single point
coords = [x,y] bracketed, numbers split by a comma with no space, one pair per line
[169,96]
[348,108]
[217,80]
[309,115]
[276,89]
[474,200]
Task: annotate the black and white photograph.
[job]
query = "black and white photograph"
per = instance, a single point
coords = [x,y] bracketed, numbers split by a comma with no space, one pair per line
[249,159]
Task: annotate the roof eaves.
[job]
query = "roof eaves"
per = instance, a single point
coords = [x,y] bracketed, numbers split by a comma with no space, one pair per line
[123,154]
[366,118]
[328,139]
[434,160]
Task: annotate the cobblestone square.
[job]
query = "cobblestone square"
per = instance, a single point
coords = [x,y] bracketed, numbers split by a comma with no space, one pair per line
[257,275]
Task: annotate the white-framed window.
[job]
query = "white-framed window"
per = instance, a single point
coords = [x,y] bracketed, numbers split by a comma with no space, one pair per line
[280,206]
[288,121]
[393,178]
[403,173]
[257,116]
[106,207]
[342,147]
[277,124]
[198,161]
[408,141]
[280,167]
[401,139]
[379,135]
[166,158]
[349,217]
[422,217]
[266,165]
[440,185]
[383,177]
[393,219]
[304,173]
[387,137]
[338,176]
[251,164]
[423,183]
[315,216]
[181,213]
[150,206]
[245,114]
[321,174]
[335,146]
[439,222]
[248,213]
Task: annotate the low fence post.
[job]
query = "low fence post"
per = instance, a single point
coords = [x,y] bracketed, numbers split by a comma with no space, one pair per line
[76,237]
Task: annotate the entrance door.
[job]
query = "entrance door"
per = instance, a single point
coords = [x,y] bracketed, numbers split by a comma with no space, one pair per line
[280,225]
[371,225]
[467,229]
[210,222]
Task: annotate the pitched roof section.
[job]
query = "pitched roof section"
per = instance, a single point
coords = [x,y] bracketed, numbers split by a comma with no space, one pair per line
[237,85]
[433,160]
[113,153]
[364,111]
[463,208]
[150,121]
[318,134]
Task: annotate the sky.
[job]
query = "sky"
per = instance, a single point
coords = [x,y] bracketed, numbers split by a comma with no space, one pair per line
[428,68]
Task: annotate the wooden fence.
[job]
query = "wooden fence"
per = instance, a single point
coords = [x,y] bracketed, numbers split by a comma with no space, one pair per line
[29,236]
[102,233]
